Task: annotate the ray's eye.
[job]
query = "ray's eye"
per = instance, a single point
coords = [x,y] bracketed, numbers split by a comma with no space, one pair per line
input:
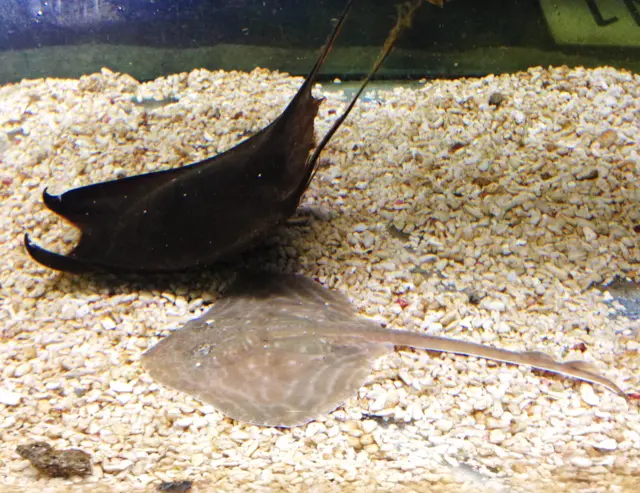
[202,349]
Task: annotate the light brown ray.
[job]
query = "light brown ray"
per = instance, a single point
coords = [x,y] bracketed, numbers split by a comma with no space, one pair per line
[259,355]
[282,350]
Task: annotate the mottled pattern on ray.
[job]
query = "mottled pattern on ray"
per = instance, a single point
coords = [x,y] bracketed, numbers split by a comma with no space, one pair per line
[282,350]
[259,355]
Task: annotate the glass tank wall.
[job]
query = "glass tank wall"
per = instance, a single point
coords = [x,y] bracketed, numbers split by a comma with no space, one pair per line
[499,214]
[149,38]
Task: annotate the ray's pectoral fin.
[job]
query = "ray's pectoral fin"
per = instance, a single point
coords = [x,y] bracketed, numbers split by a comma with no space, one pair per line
[91,205]
[199,214]
[97,210]
[56,261]
[284,383]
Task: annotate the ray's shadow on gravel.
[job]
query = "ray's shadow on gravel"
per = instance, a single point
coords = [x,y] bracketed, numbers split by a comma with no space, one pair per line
[269,255]
[627,294]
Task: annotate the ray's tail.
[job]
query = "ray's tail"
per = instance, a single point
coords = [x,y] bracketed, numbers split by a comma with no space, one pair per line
[581,370]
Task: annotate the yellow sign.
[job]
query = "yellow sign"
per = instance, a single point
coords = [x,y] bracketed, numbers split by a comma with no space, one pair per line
[593,22]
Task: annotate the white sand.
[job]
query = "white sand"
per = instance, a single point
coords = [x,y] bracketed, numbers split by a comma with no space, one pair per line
[519,207]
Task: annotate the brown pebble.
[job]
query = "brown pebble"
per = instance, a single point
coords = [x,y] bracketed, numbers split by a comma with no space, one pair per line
[456,146]
[56,463]
[482,181]
[607,138]
[30,352]
[175,486]
[590,174]
[581,346]
[496,99]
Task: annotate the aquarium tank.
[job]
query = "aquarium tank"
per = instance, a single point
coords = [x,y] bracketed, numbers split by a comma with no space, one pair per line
[149,38]
[320,246]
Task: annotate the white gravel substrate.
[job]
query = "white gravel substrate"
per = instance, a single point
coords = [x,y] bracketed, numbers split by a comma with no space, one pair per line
[502,218]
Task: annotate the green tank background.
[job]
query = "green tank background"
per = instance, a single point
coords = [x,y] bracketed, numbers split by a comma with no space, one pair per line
[465,38]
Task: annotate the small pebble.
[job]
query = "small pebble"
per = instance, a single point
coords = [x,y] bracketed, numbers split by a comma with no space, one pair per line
[30,352]
[607,138]
[497,436]
[496,99]
[589,235]
[607,444]
[116,466]
[197,459]
[123,398]
[519,117]
[368,425]
[493,305]
[175,486]
[582,462]
[444,425]
[360,227]
[588,395]
[313,428]
[120,386]
[108,323]
[378,404]
[183,422]
[22,370]
[9,398]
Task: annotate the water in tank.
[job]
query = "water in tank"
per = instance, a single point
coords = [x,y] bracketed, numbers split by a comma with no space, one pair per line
[225,268]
